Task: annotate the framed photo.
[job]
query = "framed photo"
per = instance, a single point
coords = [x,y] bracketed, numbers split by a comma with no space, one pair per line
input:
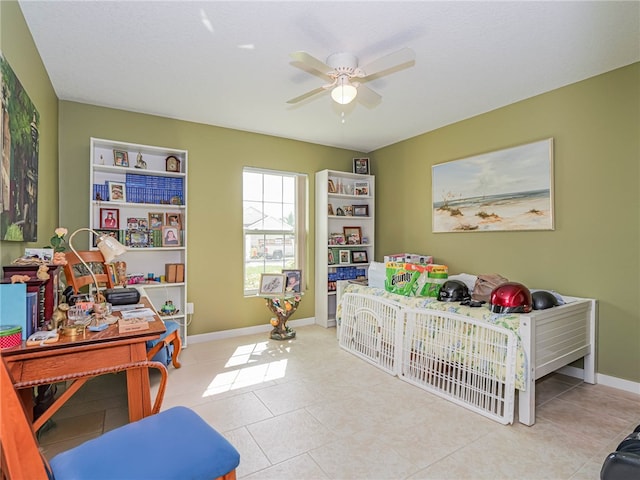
[330,210]
[109,218]
[170,236]
[467,199]
[361,210]
[353,235]
[337,239]
[345,257]
[120,158]
[332,187]
[294,280]
[137,238]
[359,256]
[332,259]
[110,233]
[174,220]
[348,210]
[361,189]
[132,223]
[272,283]
[361,166]
[117,192]
[156,220]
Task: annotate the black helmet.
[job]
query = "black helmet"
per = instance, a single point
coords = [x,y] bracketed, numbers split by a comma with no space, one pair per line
[542,300]
[454,291]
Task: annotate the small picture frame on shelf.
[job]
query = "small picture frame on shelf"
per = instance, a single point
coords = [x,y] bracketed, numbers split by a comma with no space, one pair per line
[332,186]
[101,232]
[120,158]
[117,192]
[331,258]
[109,218]
[345,257]
[348,210]
[361,210]
[170,236]
[361,166]
[137,238]
[156,220]
[359,256]
[361,189]
[272,283]
[330,210]
[294,280]
[174,220]
[353,235]
[132,223]
[337,239]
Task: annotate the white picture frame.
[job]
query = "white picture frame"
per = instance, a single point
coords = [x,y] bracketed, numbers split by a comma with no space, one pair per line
[272,283]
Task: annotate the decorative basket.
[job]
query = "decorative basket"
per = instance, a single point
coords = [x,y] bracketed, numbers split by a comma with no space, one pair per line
[10,336]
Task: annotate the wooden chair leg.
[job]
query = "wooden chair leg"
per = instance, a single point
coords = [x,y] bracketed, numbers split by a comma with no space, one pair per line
[177,347]
[228,476]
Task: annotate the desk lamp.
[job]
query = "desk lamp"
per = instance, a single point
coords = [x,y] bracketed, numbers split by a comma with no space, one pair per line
[108,246]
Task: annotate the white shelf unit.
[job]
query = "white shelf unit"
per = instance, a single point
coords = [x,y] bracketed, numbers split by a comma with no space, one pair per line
[344,184]
[158,195]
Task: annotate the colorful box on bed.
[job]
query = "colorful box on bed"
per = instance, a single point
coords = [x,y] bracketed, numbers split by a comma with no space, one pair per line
[410,279]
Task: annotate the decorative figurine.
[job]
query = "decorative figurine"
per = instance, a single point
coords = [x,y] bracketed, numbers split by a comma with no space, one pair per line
[140,163]
[168,308]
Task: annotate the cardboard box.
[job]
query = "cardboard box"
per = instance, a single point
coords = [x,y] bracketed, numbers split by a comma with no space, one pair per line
[170,272]
[409,258]
[179,272]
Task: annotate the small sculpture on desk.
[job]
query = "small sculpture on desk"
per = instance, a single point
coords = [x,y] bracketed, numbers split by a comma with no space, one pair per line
[283,308]
[59,316]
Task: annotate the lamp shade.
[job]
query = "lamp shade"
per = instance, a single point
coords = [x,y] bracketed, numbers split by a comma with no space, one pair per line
[344,92]
[110,248]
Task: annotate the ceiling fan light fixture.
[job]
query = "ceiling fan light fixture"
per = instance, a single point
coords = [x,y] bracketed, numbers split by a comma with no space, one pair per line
[344,92]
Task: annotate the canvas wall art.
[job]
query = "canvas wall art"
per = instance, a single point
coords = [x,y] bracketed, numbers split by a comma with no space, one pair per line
[505,190]
[19,143]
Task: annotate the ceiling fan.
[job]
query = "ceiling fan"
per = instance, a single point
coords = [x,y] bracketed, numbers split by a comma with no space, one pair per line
[341,69]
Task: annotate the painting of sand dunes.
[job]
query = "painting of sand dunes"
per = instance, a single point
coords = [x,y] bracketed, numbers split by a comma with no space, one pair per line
[510,189]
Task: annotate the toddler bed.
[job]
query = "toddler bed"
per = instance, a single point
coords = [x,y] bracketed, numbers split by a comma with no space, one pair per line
[469,356]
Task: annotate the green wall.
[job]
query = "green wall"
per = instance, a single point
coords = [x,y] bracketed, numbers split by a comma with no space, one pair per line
[216,159]
[20,52]
[594,249]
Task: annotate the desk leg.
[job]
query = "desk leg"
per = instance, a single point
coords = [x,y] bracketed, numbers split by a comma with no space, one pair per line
[138,386]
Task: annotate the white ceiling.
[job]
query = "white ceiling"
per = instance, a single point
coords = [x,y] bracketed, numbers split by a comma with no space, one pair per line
[227,63]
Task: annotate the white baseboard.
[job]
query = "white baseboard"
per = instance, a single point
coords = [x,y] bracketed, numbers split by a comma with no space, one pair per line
[607,380]
[239,332]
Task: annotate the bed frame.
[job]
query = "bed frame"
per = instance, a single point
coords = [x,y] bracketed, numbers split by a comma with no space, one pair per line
[382,332]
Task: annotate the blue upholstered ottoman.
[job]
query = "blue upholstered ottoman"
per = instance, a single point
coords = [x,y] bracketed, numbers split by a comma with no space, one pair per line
[174,444]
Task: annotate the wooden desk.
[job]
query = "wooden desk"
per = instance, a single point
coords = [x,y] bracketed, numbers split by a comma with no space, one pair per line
[91,351]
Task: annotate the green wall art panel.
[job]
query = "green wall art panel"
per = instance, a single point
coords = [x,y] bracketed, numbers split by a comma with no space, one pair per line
[19,169]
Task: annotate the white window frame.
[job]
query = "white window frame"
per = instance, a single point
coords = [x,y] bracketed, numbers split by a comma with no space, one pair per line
[300,231]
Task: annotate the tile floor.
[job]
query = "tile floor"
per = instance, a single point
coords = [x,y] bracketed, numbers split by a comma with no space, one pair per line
[305,409]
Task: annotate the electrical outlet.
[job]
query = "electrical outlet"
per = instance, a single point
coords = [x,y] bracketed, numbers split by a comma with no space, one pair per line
[189,308]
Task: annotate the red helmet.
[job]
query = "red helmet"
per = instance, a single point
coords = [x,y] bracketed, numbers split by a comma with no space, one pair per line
[511,297]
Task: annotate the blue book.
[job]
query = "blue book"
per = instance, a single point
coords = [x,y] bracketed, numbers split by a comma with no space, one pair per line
[13,305]
[32,313]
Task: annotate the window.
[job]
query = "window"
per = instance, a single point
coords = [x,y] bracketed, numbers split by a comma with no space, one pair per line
[274,221]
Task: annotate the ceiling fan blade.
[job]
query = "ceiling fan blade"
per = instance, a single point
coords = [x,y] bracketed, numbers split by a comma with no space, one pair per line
[394,61]
[304,59]
[309,94]
[368,97]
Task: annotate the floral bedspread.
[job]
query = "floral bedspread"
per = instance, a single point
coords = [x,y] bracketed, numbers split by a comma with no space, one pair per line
[509,321]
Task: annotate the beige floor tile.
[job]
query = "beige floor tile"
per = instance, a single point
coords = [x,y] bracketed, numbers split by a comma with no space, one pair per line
[301,467]
[252,458]
[72,427]
[233,412]
[289,435]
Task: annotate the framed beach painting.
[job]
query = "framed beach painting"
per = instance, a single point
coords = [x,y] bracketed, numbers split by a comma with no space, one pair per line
[505,190]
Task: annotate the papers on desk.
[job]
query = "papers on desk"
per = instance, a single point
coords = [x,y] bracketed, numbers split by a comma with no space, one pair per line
[138,312]
[134,324]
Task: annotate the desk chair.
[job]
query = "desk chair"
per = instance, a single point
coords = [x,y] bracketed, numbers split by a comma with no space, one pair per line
[77,274]
[197,450]
[77,277]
